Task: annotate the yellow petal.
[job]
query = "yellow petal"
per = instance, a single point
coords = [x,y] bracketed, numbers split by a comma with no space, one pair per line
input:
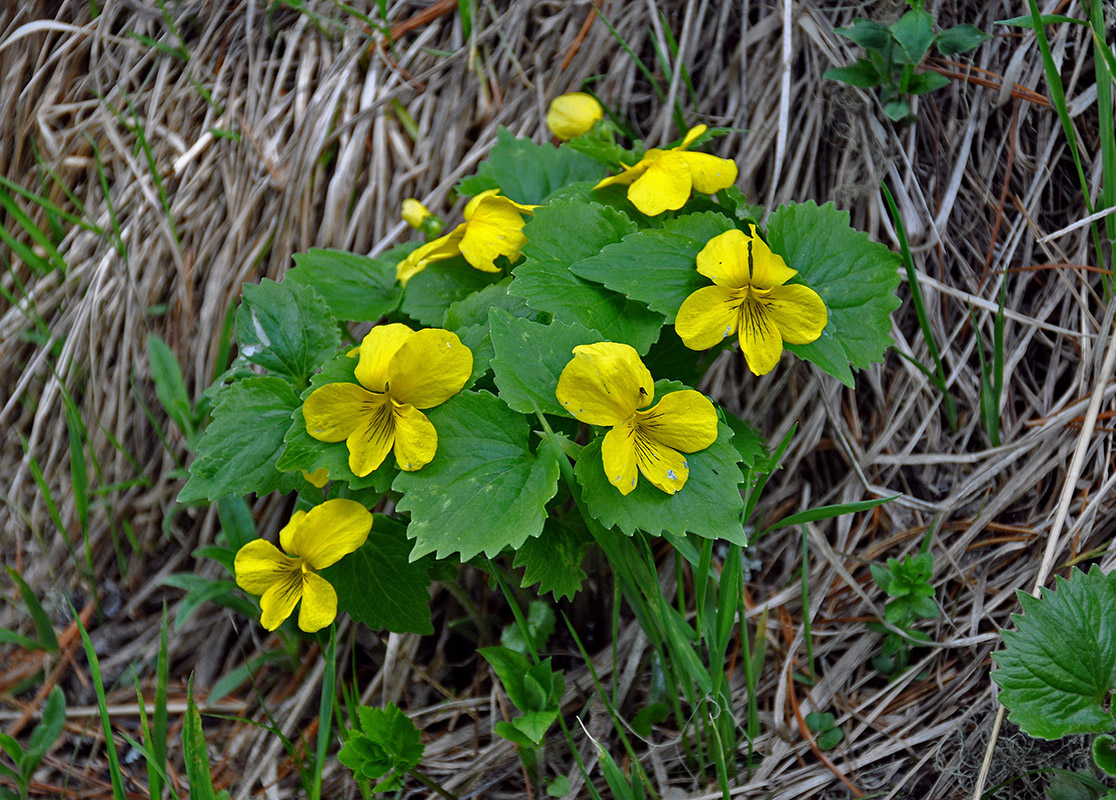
[319,603]
[708,316]
[799,312]
[665,186]
[628,174]
[494,196]
[573,114]
[318,478]
[440,249]
[604,383]
[710,173]
[330,531]
[683,420]
[429,369]
[759,337]
[691,135]
[619,457]
[376,351]
[768,269]
[332,412]
[496,229]
[279,600]
[416,441]
[287,532]
[724,259]
[664,467]
[371,440]
[259,565]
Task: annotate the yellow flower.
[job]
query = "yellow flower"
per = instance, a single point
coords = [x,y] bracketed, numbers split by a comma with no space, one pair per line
[493,227]
[401,371]
[662,179]
[607,384]
[573,114]
[414,213]
[749,299]
[314,540]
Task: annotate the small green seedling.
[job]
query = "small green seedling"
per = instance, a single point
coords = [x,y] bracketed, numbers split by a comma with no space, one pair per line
[826,732]
[42,739]
[893,53]
[384,747]
[907,583]
[536,690]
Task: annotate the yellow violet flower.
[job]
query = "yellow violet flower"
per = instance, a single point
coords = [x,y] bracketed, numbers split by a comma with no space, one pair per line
[314,540]
[414,213]
[571,115]
[748,298]
[401,372]
[662,179]
[607,384]
[493,227]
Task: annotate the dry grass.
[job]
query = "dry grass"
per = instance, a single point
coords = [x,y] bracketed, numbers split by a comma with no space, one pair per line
[323,160]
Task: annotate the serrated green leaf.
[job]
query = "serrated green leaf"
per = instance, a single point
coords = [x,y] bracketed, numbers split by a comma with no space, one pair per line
[553,560]
[1059,665]
[709,505]
[914,32]
[657,267]
[747,440]
[354,287]
[560,235]
[960,38]
[528,172]
[430,293]
[855,277]
[468,318]
[484,490]
[286,329]
[387,743]
[861,73]
[238,452]
[530,357]
[377,584]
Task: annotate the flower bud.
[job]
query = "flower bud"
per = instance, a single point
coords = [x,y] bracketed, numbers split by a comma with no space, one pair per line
[573,114]
[415,213]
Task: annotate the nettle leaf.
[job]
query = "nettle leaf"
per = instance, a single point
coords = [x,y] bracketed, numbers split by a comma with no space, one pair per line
[709,505]
[301,451]
[286,329]
[657,267]
[1058,667]
[528,172]
[355,287]
[561,235]
[484,490]
[530,358]
[855,276]
[430,293]
[468,318]
[553,560]
[377,584]
[238,451]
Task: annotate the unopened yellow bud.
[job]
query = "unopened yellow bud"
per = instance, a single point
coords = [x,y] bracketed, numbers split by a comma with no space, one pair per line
[414,212]
[573,114]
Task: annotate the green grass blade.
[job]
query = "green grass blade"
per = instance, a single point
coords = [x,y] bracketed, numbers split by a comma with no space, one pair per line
[325,712]
[827,512]
[806,632]
[43,629]
[194,750]
[157,764]
[1104,64]
[920,308]
[757,490]
[33,231]
[115,775]
[79,475]
[659,93]
[48,206]
[170,386]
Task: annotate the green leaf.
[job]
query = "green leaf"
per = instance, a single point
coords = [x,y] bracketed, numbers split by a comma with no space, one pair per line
[355,287]
[558,787]
[528,172]
[915,33]
[378,586]
[430,293]
[286,329]
[855,277]
[1057,669]
[301,451]
[170,387]
[540,624]
[926,82]
[561,235]
[534,724]
[1067,785]
[506,730]
[387,743]
[828,512]
[830,738]
[1026,21]
[960,38]
[468,318]
[530,358]
[484,490]
[194,750]
[709,505]
[818,722]
[510,667]
[897,110]
[747,440]
[657,267]
[43,629]
[654,714]
[1104,753]
[861,73]
[47,731]
[553,560]
[238,452]
[867,33]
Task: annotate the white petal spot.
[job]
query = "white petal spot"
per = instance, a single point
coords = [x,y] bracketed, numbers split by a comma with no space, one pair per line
[671,475]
